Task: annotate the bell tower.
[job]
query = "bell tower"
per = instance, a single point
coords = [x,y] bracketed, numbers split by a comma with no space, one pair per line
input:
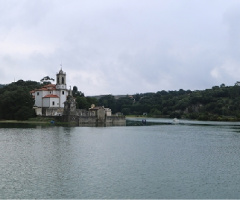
[61,80]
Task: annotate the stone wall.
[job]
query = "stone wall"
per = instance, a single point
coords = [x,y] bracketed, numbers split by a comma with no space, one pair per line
[53,111]
[83,112]
[83,117]
[72,119]
[38,111]
[96,116]
[87,120]
[115,121]
[101,116]
[108,121]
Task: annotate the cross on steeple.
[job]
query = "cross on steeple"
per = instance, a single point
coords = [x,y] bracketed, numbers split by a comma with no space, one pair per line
[61,65]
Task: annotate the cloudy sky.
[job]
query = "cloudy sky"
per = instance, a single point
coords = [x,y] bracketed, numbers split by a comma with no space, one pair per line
[122,46]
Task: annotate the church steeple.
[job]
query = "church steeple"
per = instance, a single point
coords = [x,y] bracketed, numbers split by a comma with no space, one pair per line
[61,80]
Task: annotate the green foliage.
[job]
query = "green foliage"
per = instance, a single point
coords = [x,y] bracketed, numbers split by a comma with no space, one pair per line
[108,101]
[77,93]
[82,101]
[46,79]
[85,102]
[25,85]
[16,101]
[217,103]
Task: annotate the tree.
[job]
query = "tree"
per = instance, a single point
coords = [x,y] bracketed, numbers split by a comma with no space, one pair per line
[77,93]
[222,85]
[85,102]
[108,101]
[82,103]
[46,79]
[16,104]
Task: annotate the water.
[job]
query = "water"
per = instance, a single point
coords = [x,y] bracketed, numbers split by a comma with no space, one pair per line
[186,160]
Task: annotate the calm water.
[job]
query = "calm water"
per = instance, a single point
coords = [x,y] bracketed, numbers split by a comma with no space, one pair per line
[186,160]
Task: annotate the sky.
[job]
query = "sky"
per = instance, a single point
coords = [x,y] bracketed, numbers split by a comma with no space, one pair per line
[122,46]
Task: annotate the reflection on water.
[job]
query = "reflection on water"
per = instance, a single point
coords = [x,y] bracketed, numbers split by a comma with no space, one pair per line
[133,121]
[186,160]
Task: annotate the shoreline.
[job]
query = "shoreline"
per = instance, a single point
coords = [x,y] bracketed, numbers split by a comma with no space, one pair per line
[23,122]
[47,121]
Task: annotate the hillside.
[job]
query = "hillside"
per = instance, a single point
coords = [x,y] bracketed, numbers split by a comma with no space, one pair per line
[218,103]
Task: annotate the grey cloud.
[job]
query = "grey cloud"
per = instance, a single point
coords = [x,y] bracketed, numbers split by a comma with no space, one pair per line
[122,46]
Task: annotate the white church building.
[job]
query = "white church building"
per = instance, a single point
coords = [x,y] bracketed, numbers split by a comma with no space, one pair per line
[51,97]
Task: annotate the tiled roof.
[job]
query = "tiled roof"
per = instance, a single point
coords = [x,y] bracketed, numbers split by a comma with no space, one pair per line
[47,87]
[51,96]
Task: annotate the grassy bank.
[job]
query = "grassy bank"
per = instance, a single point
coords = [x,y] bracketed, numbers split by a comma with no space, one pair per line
[46,121]
[37,120]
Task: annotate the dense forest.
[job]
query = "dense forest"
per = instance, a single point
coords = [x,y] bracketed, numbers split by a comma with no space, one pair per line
[218,103]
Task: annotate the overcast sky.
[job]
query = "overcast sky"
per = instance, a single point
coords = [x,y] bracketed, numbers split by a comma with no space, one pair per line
[122,46]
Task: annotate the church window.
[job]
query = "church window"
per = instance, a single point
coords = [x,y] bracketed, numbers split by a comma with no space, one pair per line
[62,92]
[58,80]
[62,80]
[37,93]
[53,103]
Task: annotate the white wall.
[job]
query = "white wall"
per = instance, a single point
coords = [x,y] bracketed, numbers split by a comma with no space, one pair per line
[46,102]
[38,98]
[56,102]
[63,97]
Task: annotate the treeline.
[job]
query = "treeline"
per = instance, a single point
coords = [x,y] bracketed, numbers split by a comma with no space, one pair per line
[16,102]
[218,103]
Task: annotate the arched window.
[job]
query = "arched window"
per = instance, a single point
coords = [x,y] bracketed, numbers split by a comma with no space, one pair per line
[62,80]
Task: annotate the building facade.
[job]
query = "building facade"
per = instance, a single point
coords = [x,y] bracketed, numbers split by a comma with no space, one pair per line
[51,95]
